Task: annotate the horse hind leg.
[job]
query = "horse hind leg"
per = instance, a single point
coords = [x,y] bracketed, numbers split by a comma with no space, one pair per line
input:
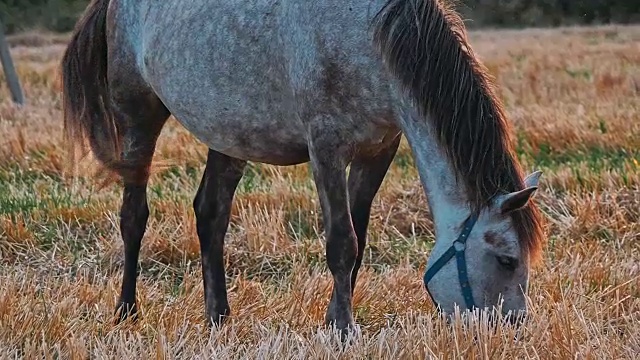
[140,120]
[212,207]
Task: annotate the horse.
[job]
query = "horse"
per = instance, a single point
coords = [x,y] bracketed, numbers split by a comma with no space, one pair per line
[335,84]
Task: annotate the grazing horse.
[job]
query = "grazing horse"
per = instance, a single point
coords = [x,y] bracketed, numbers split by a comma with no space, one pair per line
[333,83]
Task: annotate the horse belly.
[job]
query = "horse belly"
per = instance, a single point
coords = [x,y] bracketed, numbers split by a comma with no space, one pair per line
[249,137]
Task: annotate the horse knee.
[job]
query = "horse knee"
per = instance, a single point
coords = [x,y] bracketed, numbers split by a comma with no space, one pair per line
[342,251]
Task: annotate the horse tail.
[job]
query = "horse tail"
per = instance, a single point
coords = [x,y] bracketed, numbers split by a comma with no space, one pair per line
[88,115]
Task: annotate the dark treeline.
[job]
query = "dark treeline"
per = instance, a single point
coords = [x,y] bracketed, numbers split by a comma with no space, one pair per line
[54,15]
[527,13]
[60,15]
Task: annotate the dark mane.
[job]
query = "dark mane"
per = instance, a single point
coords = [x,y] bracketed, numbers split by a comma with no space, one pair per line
[424,43]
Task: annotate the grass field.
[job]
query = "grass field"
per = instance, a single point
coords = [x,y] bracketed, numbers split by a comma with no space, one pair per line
[574,96]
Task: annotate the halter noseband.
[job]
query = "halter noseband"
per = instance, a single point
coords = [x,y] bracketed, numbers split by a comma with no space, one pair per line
[457,248]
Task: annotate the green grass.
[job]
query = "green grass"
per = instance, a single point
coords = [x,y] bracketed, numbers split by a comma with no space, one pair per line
[23,191]
[595,158]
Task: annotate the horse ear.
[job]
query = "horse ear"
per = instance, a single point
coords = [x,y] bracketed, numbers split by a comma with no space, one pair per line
[516,200]
[532,179]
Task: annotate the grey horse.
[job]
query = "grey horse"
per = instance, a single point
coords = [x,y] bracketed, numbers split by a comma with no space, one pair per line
[333,83]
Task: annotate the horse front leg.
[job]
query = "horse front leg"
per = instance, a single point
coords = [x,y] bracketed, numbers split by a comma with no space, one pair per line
[365,177]
[328,163]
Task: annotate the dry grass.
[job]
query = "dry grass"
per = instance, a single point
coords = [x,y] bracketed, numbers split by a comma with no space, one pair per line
[574,97]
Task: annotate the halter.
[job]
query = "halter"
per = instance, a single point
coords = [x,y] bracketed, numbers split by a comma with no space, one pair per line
[457,248]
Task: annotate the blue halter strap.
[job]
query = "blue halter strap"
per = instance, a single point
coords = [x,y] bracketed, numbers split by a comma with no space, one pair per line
[457,248]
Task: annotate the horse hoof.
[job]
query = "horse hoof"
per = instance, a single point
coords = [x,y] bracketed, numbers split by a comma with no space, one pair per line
[344,326]
[126,311]
[218,318]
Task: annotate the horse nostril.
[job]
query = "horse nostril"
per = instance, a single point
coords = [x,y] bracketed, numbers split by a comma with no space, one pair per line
[518,319]
[515,318]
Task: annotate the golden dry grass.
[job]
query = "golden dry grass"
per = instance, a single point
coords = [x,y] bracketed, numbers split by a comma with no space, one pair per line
[574,95]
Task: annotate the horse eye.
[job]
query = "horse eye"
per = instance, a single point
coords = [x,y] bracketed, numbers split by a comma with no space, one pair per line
[508,262]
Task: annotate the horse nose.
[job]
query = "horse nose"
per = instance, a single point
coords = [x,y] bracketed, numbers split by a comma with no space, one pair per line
[515,318]
[518,319]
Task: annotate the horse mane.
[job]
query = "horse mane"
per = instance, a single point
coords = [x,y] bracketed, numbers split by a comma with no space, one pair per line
[424,44]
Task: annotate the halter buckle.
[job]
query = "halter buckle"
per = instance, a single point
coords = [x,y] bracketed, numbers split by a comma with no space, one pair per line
[459,245]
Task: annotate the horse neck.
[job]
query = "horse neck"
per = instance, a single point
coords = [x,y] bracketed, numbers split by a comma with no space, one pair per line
[447,198]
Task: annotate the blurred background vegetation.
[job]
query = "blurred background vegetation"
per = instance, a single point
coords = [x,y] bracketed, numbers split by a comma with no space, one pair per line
[60,15]
[52,15]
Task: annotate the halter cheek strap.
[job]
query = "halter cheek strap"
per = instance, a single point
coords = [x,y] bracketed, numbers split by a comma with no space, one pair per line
[457,248]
